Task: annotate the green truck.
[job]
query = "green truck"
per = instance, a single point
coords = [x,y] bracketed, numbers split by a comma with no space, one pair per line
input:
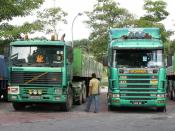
[52,72]
[171,74]
[136,72]
[3,78]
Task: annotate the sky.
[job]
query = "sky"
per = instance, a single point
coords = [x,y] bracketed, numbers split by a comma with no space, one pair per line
[80,29]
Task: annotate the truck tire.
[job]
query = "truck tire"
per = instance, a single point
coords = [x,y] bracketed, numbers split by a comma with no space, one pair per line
[171,89]
[168,89]
[68,105]
[18,106]
[161,109]
[5,96]
[173,95]
[84,93]
[80,100]
[110,108]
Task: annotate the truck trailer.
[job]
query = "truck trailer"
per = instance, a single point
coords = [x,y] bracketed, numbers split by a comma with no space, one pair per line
[3,79]
[44,71]
[171,75]
[137,75]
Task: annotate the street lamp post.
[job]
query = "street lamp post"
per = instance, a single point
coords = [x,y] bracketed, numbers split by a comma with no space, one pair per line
[79,14]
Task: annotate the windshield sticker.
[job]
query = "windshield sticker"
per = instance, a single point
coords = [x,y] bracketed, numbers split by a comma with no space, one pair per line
[39,59]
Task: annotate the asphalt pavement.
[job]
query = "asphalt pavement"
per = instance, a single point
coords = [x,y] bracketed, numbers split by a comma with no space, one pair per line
[123,119]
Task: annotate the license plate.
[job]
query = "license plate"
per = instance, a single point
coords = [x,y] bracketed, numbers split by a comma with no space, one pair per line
[137,103]
[137,71]
[35,97]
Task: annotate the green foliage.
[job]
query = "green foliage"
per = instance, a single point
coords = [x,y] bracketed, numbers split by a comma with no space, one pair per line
[8,31]
[50,17]
[14,8]
[156,10]
[4,44]
[83,44]
[170,47]
[106,14]
[99,47]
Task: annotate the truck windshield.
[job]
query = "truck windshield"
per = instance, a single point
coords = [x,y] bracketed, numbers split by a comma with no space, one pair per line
[137,58]
[37,56]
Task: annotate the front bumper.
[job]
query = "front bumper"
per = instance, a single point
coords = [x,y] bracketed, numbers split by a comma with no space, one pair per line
[137,103]
[38,99]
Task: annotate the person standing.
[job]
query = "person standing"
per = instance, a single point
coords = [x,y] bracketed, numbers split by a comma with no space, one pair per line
[94,91]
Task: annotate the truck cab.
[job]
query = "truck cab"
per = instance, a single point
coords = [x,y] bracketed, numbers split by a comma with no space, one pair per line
[40,72]
[3,78]
[137,76]
[48,72]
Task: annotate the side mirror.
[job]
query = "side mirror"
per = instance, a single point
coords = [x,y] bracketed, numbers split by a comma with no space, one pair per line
[105,60]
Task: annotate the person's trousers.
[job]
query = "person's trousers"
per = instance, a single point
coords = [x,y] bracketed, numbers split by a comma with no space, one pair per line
[95,99]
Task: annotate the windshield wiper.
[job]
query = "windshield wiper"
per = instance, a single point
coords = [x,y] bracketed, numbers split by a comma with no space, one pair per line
[17,64]
[54,64]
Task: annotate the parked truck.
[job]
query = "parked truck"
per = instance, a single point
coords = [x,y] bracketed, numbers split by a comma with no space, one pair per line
[43,71]
[171,75]
[137,76]
[3,78]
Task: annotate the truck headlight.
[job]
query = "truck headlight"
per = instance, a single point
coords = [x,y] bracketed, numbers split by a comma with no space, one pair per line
[40,92]
[58,91]
[161,95]
[150,71]
[115,95]
[35,92]
[13,90]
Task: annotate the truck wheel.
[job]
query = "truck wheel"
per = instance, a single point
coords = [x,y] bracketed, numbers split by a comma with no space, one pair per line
[68,105]
[80,100]
[110,108]
[161,109]
[5,95]
[172,91]
[84,94]
[171,95]
[18,106]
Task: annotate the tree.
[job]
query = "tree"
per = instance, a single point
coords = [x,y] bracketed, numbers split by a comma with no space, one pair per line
[83,43]
[14,8]
[106,14]
[155,13]
[50,18]
[155,10]
[12,32]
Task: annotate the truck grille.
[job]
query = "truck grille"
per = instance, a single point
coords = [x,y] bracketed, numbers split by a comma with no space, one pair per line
[27,90]
[36,78]
[137,86]
[138,81]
